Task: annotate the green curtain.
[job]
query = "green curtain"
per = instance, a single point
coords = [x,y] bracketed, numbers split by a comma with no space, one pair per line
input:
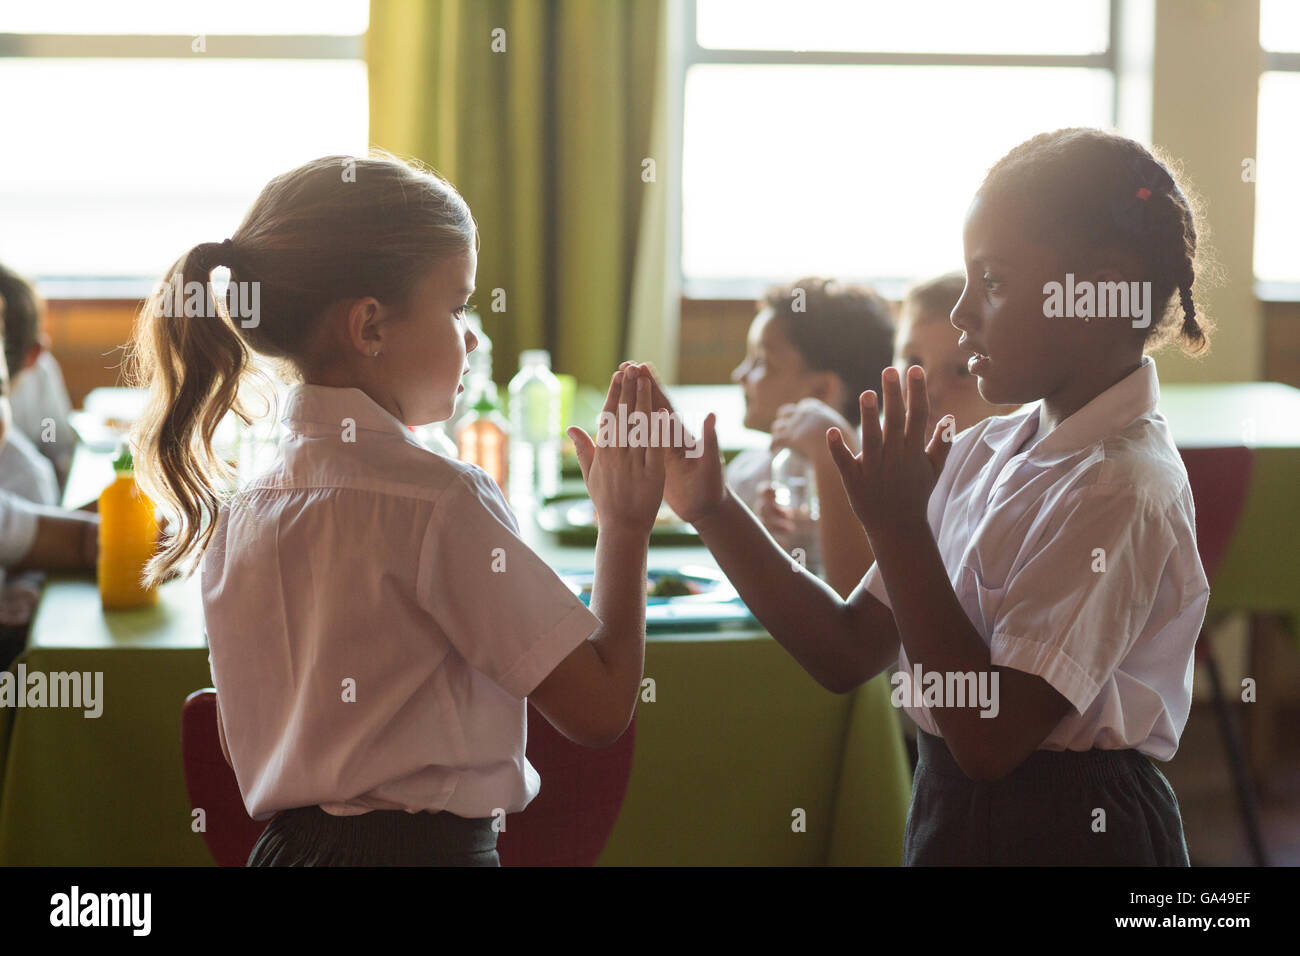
[541,112]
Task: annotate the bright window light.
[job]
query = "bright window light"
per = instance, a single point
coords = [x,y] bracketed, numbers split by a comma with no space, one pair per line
[917,26]
[858,172]
[188,18]
[129,163]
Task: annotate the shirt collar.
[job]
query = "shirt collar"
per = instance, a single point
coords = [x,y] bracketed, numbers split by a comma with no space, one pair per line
[1132,397]
[324,407]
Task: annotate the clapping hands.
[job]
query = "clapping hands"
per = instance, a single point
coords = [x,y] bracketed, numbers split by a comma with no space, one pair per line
[889,481]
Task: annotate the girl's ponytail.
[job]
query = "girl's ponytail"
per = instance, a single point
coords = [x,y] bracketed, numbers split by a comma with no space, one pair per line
[193,365]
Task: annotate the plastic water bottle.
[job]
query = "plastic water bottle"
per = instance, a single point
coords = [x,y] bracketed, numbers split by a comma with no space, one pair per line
[794,486]
[534,430]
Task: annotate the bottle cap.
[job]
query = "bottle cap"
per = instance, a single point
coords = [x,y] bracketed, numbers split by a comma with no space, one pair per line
[534,357]
[124,463]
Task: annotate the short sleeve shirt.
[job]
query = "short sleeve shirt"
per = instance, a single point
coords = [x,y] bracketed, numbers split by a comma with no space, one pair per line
[376,622]
[1074,556]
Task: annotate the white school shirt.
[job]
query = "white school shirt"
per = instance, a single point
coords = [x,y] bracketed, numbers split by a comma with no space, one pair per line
[26,472]
[1018,529]
[19,518]
[39,395]
[377,569]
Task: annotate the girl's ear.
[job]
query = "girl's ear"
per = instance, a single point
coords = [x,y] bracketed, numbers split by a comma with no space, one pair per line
[363,325]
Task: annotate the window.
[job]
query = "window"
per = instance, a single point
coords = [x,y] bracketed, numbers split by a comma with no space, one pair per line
[846,137]
[1277,194]
[134,131]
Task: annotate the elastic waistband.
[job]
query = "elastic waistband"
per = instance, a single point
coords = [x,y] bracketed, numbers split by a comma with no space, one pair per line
[1046,768]
[444,829]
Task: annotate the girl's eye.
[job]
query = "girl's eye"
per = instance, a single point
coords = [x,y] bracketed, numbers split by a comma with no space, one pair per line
[462,309]
[990,281]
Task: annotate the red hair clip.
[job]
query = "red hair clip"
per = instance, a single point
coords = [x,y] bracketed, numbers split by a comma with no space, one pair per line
[1144,194]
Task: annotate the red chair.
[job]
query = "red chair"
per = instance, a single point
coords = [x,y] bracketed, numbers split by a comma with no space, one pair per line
[1220,480]
[230,832]
[567,824]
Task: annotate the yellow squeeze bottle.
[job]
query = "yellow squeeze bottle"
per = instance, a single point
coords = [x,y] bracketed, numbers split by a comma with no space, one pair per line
[128,538]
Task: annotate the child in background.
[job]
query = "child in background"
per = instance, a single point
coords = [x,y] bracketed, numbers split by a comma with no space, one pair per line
[39,399]
[818,341]
[374,619]
[1049,554]
[35,536]
[924,337]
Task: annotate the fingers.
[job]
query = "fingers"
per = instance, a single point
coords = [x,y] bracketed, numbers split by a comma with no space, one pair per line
[871,437]
[658,396]
[891,391]
[585,448]
[918,408]
[845,460]
[615,390]
[643,406]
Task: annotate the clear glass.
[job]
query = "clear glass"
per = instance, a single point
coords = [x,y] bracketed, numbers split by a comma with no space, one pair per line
[130,163]
[167,17]
[859,172]
[1277,190]
[920,26]
[794,483]
[1279,25]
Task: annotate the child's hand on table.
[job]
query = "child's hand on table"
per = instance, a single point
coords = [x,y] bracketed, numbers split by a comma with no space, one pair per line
[626,482]
[890,480]
[693,485]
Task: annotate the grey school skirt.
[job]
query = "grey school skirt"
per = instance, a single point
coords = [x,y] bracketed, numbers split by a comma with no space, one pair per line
[1044,813]
[308,836]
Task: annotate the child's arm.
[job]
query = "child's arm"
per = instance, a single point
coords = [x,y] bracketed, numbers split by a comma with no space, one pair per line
[65,541]
[889,484]
[846,552]
[841,644]
[591,695]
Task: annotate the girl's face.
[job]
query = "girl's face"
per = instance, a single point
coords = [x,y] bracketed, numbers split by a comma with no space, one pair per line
[1019,354]
[422,353]
[773,373]
[928,340]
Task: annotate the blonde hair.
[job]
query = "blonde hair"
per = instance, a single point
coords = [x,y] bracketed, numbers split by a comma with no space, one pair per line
[335,229]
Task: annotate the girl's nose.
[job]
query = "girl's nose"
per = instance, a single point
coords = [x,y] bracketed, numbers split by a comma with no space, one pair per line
[471,341]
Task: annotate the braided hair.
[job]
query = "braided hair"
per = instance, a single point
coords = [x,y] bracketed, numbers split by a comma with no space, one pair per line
[1085,191]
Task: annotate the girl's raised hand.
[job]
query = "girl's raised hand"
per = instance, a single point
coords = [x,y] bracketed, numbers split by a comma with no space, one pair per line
[890,481]
[693,485]
[625,479]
